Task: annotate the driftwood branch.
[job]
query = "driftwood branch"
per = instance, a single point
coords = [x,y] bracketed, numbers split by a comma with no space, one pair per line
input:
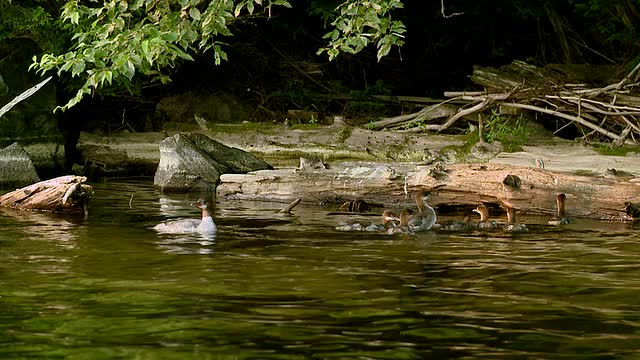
[64,193]
[611,112]
[25,95]
[287,209]
[564,116]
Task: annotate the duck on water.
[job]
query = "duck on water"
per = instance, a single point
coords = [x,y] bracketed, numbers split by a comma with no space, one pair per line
[389,220]
[185,226]
[485,222]
[512,225]
[560,218]
[411,222]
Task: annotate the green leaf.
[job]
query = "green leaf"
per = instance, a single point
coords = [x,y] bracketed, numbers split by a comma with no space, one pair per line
[184,55]
[383,50]
[145,50]
[78,68]
[170,36]
[128,69]
[194,13]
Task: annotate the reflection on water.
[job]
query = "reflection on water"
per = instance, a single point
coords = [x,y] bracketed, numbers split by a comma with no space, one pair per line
[276,286]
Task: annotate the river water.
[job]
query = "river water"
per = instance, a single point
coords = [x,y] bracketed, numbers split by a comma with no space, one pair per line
[271,286]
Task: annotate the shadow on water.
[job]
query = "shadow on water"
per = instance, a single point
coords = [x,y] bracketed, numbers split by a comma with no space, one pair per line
[275,286]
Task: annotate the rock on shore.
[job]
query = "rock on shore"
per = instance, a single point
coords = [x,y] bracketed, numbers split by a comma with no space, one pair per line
[16,167]
[194,162]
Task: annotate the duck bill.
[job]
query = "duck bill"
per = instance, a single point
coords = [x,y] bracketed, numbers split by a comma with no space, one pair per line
[199,205]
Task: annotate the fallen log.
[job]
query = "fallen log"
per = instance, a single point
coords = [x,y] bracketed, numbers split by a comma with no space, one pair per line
[61,194]
[461,185]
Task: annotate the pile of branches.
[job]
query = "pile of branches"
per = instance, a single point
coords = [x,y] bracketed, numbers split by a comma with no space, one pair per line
[608,112]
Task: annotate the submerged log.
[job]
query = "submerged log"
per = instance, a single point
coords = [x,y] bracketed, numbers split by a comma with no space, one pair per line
[529,190]
[64,193]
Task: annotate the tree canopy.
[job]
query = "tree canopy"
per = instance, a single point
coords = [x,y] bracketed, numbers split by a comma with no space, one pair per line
[101,44]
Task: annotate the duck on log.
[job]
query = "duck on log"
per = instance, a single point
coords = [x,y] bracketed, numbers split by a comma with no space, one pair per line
[529,190]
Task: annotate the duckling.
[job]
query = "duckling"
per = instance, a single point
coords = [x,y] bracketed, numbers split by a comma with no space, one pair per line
[388,219]
[560,218]
[465,225]
[632,211]
[357,205]
[403,228]
[426,217]
[512,225]
[484,222]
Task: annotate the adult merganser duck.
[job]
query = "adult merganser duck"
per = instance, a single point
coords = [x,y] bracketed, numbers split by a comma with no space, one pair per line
[185,226]
[559,219]
[484,222]
[388,221]
[426,217]
[512,225]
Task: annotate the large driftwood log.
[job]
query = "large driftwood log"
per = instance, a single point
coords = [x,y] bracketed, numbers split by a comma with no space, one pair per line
[458,185]
[64,193]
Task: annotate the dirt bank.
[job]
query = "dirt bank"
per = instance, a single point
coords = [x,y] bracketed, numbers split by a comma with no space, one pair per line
[283,146]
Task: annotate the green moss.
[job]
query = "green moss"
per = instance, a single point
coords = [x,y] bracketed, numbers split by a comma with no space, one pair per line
[585,173]
[262,128]
[290,156]
[605,149]
[344,134]
[309,126]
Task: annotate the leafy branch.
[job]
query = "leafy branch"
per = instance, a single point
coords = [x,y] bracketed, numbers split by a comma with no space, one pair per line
[360,23]
[118,39]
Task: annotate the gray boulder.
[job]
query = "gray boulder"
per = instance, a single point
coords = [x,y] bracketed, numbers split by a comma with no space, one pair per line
[194,162]
[16,168]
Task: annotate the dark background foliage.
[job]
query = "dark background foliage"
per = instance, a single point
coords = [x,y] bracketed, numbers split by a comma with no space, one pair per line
[273,61]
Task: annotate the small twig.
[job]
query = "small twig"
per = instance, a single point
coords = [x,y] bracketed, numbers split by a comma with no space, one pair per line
[600,111]
[130,200]
[602,103]
[288,208]
[444,15]
[465,112]
[480,129]
[626,78]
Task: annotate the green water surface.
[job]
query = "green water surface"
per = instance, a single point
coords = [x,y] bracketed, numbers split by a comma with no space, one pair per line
[272,286]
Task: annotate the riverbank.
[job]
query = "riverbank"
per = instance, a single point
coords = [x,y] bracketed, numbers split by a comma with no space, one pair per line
[127,153]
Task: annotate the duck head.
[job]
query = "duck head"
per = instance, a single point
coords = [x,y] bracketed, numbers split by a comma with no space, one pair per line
[483,211]
[388,218]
